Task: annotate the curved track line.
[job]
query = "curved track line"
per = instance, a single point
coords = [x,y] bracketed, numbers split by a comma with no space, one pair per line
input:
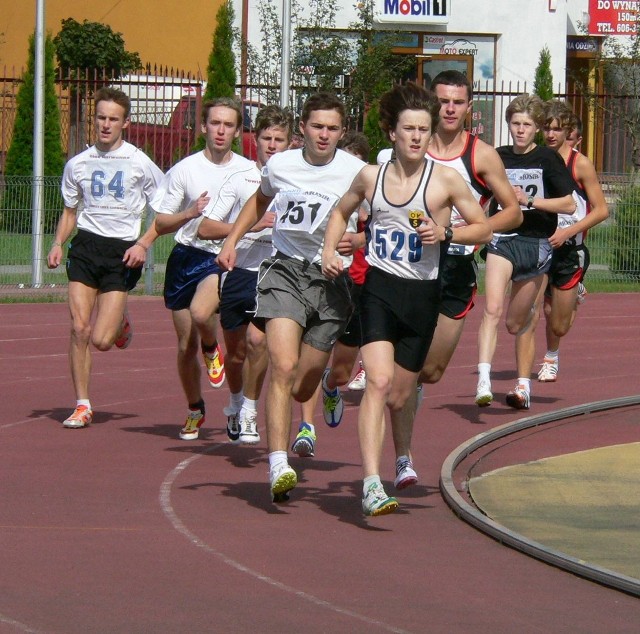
[479,520]
[19,626]
[167,509]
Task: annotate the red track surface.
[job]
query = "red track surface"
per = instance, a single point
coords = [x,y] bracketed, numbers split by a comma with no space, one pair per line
[122,527]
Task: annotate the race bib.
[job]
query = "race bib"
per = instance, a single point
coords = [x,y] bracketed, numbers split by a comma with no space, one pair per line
[302,210]
[530,180]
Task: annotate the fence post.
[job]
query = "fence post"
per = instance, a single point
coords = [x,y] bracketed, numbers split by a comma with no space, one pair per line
[149,264]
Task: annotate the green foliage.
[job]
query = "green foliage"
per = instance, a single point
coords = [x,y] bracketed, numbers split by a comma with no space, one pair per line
[88,48]
[543,82]
[16,201]
[625,250]
[221,71]
[377,138]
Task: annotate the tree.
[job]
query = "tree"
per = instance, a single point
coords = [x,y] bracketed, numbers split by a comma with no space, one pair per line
[221,70]
[89,53]
[543,81]
[19,163]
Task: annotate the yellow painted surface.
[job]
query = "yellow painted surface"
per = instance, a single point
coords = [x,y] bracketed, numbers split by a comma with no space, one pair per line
[584,504]
[162,32]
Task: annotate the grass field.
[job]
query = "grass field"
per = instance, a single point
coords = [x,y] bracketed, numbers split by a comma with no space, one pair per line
[16,257]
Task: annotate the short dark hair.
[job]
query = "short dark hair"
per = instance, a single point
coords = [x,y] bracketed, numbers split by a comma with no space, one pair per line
[106,93]
[271,116]
[356,142]
[452,78]
[323,101]
[227,102]
[409,96]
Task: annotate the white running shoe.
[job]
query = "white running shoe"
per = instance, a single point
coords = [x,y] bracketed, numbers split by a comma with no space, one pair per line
[248,427]
[359,382]
[548,371]
[484,395]
[233,425]
[377,502]
[282,478]
[405,474]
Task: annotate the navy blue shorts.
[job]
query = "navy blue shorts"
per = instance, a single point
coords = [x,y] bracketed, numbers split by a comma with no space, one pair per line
[238,298]
[186,268]
[96,262]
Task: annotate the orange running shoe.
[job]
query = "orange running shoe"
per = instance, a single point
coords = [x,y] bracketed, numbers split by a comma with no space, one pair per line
[81,417]
[215,367]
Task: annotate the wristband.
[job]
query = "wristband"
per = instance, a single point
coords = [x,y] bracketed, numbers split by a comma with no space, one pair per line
[139,244]
[57,244]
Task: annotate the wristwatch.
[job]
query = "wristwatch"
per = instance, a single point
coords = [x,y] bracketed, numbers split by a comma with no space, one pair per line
[529,202]
[448,234]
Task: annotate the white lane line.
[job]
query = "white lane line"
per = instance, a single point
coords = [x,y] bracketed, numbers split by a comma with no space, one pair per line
[167,509]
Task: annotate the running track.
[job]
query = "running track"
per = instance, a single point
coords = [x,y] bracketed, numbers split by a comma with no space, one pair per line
[122,527]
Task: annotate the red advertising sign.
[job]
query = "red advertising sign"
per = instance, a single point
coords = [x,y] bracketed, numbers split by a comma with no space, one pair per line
[613,17]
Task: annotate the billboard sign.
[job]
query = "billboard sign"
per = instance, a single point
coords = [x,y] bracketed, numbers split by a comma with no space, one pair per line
[411,11]
[613,17]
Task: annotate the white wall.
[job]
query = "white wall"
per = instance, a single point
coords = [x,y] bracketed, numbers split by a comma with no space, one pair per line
[522,28]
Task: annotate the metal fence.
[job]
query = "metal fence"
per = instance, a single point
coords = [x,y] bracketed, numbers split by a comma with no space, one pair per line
[158,96]
[614,245]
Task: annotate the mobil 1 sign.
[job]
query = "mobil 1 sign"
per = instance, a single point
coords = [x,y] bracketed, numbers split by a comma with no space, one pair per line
[613,17]
[411,11]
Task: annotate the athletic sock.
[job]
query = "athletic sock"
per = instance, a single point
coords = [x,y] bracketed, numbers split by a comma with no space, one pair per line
[552,355]
[83,401]
[484,372]
[276,458]
[368,481]
[526,383]
[209,349]
[198,405]
[235,401]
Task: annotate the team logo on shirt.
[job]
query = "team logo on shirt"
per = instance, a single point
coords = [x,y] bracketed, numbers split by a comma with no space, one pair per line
[415,217]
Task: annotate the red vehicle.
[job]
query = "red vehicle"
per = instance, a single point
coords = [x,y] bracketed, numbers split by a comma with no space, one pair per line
[169,138]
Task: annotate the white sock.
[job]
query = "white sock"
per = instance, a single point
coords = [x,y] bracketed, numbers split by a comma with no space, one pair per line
[235,401]
[83,401]
[276,458]
[526,383]
[249,405]
[484,372]
[552,355]
[368,481]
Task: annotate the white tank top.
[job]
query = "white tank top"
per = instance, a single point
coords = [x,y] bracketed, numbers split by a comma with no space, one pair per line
[393,244]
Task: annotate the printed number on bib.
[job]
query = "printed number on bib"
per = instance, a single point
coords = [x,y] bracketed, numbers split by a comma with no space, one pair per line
[300,213]
[100,184]
[398,246]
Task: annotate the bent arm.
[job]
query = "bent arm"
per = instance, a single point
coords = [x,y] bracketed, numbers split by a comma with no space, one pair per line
[510,215]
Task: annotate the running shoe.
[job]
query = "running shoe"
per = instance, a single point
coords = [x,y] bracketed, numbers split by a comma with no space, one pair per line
[332,404]
[405,474]
[518,398]
[548,371]
[359,382]
[215,367]
[233,424]
[126,333]
[81,417]
[305,443]
[377,502]
[191,429]
[282,478]
[484,396]
[248,428]
[582,293]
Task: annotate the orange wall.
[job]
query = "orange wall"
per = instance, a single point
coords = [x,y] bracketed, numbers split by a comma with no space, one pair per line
[163,32]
